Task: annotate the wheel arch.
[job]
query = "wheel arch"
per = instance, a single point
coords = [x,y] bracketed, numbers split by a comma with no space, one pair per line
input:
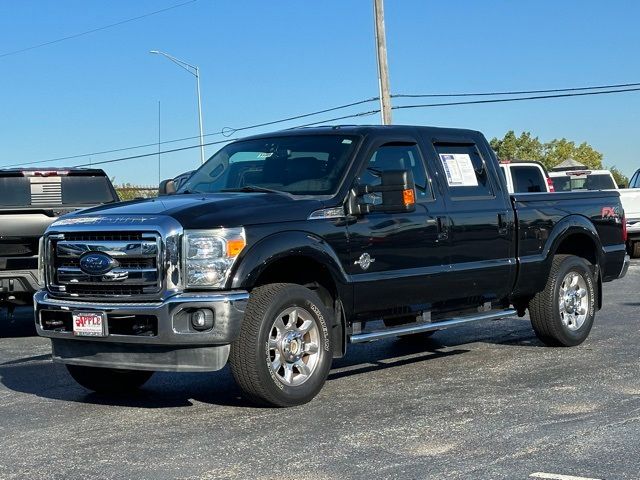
[301,258]
[573,235]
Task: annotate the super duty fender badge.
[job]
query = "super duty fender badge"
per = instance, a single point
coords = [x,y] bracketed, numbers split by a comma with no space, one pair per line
[364,261]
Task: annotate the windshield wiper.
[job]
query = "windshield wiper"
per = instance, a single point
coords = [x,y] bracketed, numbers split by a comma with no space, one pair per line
[255,188]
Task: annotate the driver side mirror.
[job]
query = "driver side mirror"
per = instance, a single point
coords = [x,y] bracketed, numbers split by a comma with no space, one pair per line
[396,188]
[166,187]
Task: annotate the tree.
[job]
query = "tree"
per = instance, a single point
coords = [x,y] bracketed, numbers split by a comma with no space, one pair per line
[128,191]
[619,177]
[550,154]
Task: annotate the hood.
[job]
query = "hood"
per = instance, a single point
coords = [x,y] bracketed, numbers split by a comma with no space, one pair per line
[216,210]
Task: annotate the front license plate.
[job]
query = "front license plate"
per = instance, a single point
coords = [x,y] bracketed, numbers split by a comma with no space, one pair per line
[89,324]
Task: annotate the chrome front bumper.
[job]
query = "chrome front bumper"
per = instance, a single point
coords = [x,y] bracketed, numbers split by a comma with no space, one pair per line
[173,345]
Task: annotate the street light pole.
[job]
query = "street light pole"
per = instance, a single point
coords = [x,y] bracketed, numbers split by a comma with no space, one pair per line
[195,71]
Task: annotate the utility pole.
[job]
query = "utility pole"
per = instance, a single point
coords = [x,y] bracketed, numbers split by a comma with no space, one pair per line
[159,177]
[383,68]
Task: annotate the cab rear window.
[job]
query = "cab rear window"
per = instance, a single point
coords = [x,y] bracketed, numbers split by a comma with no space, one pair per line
[34,191]
[594,181]
[14,191]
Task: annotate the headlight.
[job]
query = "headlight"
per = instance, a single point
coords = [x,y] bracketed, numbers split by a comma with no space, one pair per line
[210,254]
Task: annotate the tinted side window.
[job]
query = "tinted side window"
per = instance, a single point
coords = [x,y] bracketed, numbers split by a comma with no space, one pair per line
[528,178]
[396,157]
[466,172]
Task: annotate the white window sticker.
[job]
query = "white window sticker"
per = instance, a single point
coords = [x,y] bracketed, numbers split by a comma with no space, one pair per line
[459,170]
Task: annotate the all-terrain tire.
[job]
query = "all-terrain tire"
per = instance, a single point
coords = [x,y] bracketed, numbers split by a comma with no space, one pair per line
[253,354]
[109,380]
[545,308]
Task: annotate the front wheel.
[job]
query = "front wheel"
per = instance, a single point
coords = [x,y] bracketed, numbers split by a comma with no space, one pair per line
[563,313]
[108,380]
[283,354]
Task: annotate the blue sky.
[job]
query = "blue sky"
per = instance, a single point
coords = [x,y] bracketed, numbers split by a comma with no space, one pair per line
[264,60]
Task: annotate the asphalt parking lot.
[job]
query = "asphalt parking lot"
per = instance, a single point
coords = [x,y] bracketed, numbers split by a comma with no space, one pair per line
[479,402]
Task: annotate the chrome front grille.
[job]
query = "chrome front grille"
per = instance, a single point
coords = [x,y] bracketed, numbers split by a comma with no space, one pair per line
[135,264]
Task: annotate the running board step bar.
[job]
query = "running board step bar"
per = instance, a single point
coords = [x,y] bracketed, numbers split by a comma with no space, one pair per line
[429,326]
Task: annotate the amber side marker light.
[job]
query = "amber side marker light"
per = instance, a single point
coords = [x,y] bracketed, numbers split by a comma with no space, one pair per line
[235,246]
[409,197]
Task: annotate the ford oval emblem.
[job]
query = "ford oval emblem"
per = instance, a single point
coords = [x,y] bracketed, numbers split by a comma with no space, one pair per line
[96,263]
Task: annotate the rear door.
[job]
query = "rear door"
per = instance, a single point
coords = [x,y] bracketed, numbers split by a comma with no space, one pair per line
[482,224]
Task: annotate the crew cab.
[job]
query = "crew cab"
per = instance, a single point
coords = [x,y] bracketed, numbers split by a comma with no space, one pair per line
[30,200]
[284,248]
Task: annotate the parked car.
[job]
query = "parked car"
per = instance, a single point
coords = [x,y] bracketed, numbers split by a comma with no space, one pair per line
[630,198]
[526,177]
[570,180]
[30,200]
[284,248]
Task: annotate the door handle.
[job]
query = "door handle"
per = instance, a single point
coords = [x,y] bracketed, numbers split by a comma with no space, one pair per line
[503,226]
[443,228]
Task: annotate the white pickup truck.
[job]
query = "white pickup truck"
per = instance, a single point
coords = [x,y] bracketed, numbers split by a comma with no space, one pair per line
[570,180]
[630,198]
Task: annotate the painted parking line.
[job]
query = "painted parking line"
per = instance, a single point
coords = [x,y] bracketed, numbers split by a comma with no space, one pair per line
[558,476]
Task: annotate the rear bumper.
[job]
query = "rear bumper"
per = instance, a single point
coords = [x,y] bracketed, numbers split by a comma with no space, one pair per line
[169,343]
[625,266]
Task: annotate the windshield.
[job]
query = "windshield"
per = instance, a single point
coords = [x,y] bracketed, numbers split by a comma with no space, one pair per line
[299,165]
[592,181]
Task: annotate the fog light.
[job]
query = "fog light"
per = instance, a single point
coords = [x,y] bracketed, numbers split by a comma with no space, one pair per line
[202,319]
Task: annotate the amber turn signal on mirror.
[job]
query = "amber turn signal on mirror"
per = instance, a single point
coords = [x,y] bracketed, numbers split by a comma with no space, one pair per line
[409,197]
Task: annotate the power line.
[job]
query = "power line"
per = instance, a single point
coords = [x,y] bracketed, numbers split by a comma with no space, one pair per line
[133,157]
[230,131]
[521,92]
[122,159]
[105,27]
[227,131]
[503,100]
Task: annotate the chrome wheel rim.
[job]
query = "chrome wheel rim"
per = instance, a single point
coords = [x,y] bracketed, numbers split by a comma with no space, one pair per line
[573,301]
[293,346]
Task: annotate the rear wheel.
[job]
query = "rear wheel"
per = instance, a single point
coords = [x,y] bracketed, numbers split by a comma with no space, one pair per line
[108,380]
[283,354]
[563,313]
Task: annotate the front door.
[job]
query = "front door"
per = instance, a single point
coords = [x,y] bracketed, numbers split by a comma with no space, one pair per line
[397,259]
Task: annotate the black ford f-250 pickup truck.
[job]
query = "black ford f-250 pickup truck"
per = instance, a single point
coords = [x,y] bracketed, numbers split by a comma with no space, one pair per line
[30,200]
[284,248]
